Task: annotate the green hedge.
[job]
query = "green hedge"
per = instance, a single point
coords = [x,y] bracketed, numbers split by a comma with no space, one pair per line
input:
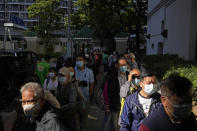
[160,64]
[164,65]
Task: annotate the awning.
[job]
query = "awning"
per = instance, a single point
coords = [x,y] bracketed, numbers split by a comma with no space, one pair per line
[15,26]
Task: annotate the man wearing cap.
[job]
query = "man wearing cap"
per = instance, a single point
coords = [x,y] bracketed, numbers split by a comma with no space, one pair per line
[67,96]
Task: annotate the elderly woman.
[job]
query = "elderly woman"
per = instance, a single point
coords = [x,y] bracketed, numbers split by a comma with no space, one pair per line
[67,96]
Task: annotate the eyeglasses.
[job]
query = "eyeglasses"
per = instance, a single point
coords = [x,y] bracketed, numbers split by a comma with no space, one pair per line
[133,77]
[28,101]
[61,75]
[122,65]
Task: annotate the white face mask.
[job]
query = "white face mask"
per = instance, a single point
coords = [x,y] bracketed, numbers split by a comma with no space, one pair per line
[150,88]
[31,109]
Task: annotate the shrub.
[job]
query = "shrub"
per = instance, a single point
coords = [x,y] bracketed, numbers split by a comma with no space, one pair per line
[190,73]
[160,64]
[164,65]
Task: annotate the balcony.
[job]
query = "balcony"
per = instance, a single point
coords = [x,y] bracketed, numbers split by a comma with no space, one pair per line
[30,20]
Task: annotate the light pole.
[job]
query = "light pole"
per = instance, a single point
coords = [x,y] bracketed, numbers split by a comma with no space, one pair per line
[5,20]
[69,21]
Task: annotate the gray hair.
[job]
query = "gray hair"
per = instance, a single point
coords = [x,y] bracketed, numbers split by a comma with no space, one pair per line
[37,89]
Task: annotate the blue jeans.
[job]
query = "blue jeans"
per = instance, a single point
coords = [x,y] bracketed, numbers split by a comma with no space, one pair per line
[85,91]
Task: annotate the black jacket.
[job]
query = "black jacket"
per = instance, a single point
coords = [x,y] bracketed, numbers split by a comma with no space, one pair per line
[48,120]
[113,90]
[160,121]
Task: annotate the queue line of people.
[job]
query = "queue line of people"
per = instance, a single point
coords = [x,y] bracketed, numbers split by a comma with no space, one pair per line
[133,101]
[131,98]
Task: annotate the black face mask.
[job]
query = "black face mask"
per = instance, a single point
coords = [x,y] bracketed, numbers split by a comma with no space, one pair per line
[181,112]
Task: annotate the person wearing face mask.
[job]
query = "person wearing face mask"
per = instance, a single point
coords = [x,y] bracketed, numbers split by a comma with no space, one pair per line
[175,113]
[42,69]
[129,87]
[85,79]
[67,96]
[141,104]
[36,107]
[132,84]
[80,96]
[51,82]
[132,62]
[117,79]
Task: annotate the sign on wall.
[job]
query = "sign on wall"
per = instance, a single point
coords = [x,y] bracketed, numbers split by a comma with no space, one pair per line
[16,20]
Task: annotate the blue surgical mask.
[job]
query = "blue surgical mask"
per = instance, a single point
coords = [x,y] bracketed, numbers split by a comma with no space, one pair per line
[123,69]
[71,74]
[51,74]
[136,82]
[62,79]
[79,63]
[150,89]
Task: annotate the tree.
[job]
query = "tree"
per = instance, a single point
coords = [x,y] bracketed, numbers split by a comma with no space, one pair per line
[140,14]
[49,15]
[107,17]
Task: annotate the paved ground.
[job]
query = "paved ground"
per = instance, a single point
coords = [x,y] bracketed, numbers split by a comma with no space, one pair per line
[95,125]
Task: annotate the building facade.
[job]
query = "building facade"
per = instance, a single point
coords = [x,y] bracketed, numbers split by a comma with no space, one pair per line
[18,8]
[172,28]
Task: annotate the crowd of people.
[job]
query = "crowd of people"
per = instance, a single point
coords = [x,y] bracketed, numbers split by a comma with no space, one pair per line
[59,95]
[136,101]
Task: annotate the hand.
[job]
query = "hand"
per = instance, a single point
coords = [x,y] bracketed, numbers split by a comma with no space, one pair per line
[107,108]
[134,72]
[130,75]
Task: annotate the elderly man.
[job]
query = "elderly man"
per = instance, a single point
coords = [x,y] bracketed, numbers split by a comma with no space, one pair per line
[36,107]
[67,96]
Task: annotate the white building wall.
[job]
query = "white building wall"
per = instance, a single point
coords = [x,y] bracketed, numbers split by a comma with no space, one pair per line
[154,29]
[152,4]
[193,32]
[180,20]
[178,24]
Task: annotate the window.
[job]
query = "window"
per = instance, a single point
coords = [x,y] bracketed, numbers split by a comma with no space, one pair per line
[160,48]
[24,16]
[29,1]
[13,7]
[2,8]
[22,8]
[1,15]
[64,3]
[152,46]
[162,25]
